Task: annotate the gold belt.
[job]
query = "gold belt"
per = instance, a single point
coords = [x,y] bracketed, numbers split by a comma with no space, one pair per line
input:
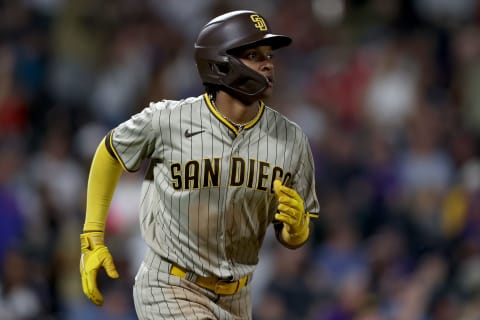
[219,286]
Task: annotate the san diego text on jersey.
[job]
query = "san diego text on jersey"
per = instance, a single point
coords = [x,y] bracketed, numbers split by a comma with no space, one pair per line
[205,173]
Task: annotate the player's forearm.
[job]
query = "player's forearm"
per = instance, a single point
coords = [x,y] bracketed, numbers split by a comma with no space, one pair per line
[105,172]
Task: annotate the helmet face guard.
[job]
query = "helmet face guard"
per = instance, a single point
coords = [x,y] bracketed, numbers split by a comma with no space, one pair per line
[230,31]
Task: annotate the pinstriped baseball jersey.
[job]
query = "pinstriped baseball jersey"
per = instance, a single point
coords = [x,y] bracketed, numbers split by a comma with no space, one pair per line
[207,198]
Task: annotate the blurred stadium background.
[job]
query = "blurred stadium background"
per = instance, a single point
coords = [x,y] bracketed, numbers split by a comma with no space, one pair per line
[388,91]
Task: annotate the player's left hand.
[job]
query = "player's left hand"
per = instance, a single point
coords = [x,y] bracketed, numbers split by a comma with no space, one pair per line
[95,255]
[291,209]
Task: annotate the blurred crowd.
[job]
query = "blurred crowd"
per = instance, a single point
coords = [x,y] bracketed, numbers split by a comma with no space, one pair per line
[388,92]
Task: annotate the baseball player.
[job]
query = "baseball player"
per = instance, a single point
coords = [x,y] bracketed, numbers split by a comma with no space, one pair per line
[223,166]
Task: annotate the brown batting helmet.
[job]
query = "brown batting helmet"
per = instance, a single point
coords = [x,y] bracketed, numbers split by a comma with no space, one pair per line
[225,33]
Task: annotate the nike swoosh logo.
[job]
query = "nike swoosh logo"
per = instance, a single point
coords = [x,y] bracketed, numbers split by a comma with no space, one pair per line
[189,134]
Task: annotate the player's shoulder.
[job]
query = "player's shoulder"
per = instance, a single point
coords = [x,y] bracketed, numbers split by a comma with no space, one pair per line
[274,116]
[171,105]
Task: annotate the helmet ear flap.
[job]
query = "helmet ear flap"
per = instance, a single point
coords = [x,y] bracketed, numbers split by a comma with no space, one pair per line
[234,76]
[245,83]
[221,69]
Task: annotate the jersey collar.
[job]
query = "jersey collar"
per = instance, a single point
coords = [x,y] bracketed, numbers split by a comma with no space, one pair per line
[227,123]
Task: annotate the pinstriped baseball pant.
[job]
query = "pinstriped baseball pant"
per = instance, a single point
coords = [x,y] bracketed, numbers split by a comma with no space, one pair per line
[159,295]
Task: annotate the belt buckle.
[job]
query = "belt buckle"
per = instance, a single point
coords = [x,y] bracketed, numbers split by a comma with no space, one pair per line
[225,286]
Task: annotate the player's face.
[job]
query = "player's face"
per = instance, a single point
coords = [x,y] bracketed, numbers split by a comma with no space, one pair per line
[260,59]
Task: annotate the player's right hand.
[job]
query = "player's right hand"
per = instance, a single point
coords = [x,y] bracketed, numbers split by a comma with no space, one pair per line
[95,255]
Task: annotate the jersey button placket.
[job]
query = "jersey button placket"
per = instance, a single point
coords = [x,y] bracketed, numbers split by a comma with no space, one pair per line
[235,147]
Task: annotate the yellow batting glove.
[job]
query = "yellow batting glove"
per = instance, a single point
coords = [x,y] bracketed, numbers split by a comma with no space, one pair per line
[291,211]
[95,255]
